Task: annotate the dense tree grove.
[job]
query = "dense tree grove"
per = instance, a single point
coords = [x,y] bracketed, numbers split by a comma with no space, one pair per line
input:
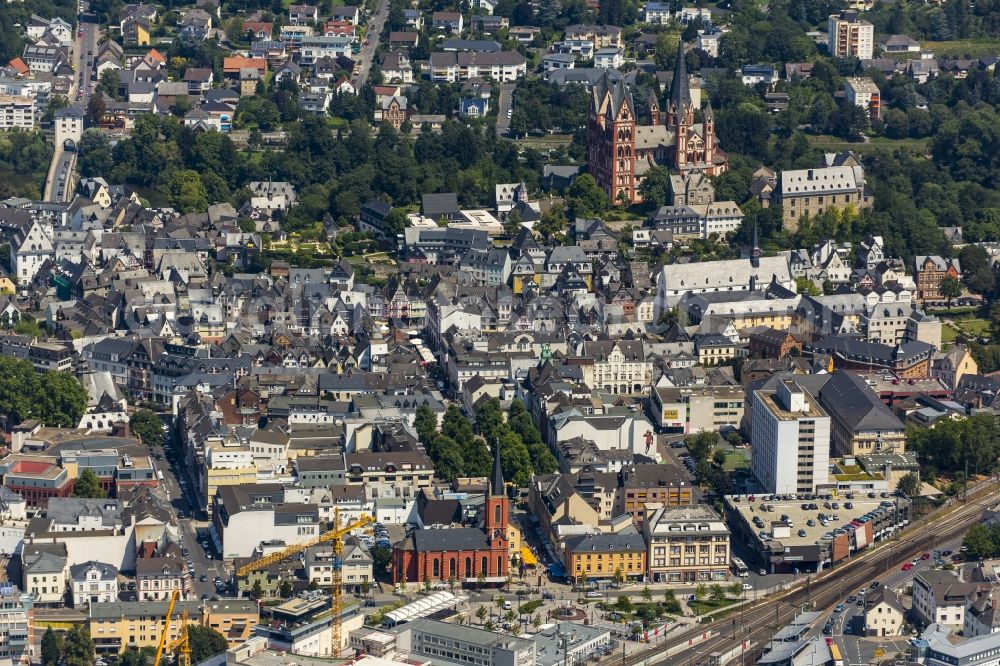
[953,184]
[455,450]
[947,446]
[146,425]
[55,398]
[24,160]
[334,171]
[522,451]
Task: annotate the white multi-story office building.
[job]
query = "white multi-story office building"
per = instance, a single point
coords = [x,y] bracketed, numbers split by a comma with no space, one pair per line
[790,439]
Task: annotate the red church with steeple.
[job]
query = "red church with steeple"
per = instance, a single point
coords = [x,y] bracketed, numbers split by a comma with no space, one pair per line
[463,554]
[620,151]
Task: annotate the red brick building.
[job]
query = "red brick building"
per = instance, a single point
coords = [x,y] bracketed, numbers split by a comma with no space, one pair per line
[464,554]
[773,343]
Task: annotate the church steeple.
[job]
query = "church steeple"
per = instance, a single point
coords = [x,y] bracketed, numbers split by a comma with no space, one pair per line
[497,511]
[680,92]
[497,488]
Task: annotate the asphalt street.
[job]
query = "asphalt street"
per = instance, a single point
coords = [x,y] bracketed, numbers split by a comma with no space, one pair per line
[374,34]
[60,181]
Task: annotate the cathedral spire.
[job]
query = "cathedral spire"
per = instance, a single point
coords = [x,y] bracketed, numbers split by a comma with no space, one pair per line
[497,488]
[680,93]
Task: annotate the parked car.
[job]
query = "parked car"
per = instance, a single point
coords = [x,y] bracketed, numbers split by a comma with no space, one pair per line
[593,594]
[907,566]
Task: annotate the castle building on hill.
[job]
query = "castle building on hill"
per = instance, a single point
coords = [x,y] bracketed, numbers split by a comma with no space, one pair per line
[620,151]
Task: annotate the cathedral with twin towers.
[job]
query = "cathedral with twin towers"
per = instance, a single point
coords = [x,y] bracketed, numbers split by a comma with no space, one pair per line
[621,151]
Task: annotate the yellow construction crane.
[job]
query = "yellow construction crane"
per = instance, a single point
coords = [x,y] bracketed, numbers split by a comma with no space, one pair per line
[181,643]
[336,539]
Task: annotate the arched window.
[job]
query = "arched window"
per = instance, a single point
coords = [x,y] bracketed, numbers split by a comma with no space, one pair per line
[485,568]
[499,565]
[468,567]
[452,568]
[437,568]
[497,514]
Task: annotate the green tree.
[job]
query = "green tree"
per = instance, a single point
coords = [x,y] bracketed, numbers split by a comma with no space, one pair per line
[717,594]
[285,589]
[94,154]
[55,103]
[187,193]
[481,613]
[88,485]
[60,400]
[95,109]
[735,589]
[133,656]
[78,647]
[807,287]
[655,186]
[909,484]
[585,197]
[624,604]
[980,542]
[109,84]
[145,424]
[381,556]
[950,288]
[700,446]
[665,52]
[647,594]
[50,648]
[18,385]
[700,594]
[205,642]
[976,271]
[257,591]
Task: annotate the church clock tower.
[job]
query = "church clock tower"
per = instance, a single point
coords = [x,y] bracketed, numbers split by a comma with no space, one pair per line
[497,508]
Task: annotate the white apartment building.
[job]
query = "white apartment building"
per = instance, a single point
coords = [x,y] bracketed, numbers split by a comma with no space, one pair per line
[686,544]
[314,48]
[939,597]
[790,440]
[502,67]
[16,112]
[849,37]
[93,582]
[862,91]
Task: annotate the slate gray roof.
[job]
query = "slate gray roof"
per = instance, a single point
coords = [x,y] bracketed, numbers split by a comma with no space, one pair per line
[460,538]
[848,399]
[67,510]
[79,571]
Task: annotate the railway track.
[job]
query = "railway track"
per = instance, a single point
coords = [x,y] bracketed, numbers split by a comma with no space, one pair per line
[760,621]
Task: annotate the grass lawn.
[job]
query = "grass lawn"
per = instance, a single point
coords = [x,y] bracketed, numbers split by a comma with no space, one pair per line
[948,335]
[708,606]
[976,327]
[963,47]
[827,142]
[546,142]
